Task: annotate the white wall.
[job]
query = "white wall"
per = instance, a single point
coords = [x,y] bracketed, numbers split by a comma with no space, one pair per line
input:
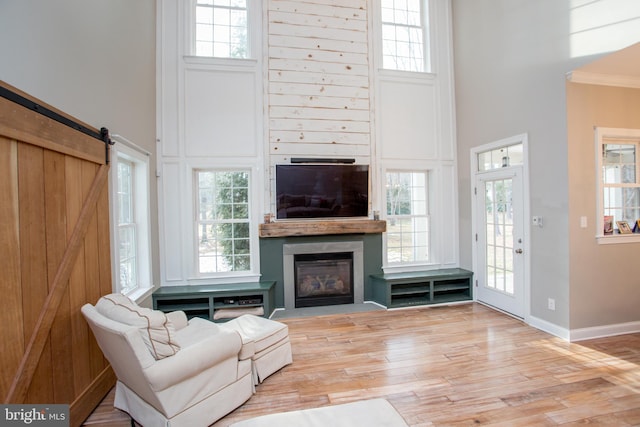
[94,60]
[318,92]
[511,57]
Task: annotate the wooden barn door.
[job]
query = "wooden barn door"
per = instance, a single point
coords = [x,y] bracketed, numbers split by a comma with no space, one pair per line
[54,241]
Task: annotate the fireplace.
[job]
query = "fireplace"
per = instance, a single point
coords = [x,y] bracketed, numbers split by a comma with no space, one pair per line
[323,273]
[323,279]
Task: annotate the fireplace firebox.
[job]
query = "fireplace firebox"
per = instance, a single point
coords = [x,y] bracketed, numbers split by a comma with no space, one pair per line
[355,249]
[323,279]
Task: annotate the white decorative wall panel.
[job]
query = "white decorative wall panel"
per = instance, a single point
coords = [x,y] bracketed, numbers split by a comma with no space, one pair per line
[168,76]
[220,113]
[407,121]
[446,126]
[171,186]
[449,230]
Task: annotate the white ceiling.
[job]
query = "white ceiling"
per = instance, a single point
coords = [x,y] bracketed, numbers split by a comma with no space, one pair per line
[621,68]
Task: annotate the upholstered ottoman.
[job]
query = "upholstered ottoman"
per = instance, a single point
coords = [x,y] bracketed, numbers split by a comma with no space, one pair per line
[270,340]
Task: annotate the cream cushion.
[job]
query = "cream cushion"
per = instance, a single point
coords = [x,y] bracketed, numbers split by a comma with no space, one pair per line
[156,329]
[267,339]
[263,332]
[232,313]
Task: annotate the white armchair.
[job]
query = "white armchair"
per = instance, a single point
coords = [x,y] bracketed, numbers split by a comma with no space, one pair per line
[170,371]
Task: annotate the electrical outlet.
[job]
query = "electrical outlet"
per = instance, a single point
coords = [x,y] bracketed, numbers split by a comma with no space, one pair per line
[551,304]
[537,221]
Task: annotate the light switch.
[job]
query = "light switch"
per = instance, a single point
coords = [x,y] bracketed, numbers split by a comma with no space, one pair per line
[583,222]
[537,220]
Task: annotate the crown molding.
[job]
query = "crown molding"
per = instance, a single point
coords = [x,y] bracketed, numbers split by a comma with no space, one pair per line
[603,79]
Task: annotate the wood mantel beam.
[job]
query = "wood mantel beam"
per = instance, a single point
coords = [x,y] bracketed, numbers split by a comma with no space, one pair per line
[317,228]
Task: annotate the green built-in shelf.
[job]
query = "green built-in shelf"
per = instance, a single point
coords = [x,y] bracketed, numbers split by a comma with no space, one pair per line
[422,287]
[204,300]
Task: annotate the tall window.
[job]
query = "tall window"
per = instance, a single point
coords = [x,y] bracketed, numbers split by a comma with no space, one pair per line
[404,35]
[619,177]
[223,226]
[131,249]
[221,28]
[127,247]
[407,217]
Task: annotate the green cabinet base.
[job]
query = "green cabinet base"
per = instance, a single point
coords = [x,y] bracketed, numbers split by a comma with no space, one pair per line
[204,300]
[422,287]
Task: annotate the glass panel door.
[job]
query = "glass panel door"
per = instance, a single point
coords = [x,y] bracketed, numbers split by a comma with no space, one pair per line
[500,240]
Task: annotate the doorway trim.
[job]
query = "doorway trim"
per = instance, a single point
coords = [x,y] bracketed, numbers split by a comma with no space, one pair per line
[526,227]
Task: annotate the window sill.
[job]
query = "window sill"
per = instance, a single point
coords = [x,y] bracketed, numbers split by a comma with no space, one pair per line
[140,294]
[221,62]
[223,278]
[399,75]
[410,267]
[615,239]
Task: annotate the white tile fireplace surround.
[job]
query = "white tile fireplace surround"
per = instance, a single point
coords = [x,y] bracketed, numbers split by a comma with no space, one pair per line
[290,250]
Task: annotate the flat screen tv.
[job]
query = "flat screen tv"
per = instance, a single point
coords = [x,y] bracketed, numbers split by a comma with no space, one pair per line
[322,191]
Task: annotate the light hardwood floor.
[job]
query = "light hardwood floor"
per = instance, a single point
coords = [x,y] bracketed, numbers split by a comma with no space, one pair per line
[458,365]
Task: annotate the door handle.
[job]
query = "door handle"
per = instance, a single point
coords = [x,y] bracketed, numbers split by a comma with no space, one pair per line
[518,251]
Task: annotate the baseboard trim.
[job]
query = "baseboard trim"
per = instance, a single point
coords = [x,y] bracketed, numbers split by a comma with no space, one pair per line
[90,397]
[549,327]
[604,331]
[581,334]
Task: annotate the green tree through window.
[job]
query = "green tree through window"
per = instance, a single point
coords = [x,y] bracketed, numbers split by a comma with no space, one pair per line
[223,221]
[407,217]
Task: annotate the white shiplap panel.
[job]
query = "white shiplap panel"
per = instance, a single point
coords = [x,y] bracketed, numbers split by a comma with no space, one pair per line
[353,4]
[313,44]
[352,9]
[345,104]
[318,55]
[276,112]
[297,18]
[315,32]
[318,67]
[319,90]
[319,125]
[300,149]
[311,137]
[282,76]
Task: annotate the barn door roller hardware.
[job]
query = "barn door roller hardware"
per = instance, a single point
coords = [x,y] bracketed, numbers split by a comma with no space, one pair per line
[102,135]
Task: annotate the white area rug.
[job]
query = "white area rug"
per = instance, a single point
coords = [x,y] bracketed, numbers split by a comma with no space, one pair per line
[370,413]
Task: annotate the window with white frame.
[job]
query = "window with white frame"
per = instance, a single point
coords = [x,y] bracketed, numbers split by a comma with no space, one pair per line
[404,32]
[407,236]
[619,179]
[502,157]
[131,249]
[223,221]
[221,28]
